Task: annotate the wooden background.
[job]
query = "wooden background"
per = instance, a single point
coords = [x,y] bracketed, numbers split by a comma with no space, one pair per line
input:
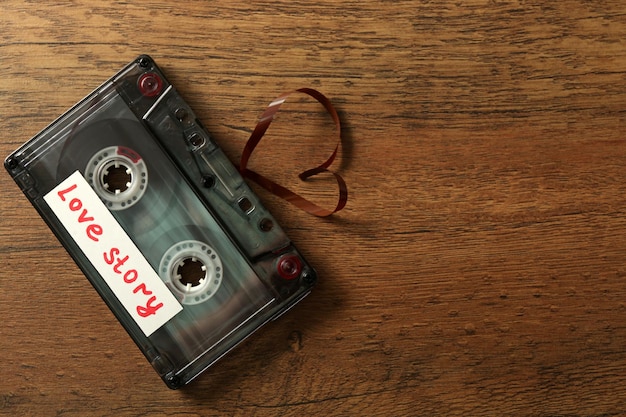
[478,268]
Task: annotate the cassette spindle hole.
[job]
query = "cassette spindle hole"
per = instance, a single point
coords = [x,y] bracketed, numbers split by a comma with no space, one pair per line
[191,272]
[117,178]
[118,175]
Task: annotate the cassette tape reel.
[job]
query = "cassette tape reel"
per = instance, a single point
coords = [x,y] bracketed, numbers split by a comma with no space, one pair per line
[160,222]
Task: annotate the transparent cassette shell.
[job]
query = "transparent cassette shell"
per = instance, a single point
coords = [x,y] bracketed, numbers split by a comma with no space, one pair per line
[185,207]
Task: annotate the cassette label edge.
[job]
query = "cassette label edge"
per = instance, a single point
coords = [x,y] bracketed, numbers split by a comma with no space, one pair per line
[111,251]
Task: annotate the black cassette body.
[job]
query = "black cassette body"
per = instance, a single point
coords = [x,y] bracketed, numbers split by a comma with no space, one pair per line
[161,222]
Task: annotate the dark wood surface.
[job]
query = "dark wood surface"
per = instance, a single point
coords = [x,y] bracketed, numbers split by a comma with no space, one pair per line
[478,268]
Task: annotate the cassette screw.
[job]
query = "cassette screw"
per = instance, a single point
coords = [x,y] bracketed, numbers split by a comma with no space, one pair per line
[12,163]
[173,381]
[308,277]
[144,62]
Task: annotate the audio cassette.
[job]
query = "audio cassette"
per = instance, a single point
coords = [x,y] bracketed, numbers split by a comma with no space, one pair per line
[161,222]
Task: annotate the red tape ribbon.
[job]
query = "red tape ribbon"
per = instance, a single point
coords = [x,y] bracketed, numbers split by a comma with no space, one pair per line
[264,123]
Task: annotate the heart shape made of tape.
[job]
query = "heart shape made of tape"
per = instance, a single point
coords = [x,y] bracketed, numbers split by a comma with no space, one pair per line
[259,131]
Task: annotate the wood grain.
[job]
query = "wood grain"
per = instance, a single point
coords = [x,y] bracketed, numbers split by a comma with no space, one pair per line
[478,268]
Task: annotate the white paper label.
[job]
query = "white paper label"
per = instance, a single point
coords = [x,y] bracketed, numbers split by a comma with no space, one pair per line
[111,251]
